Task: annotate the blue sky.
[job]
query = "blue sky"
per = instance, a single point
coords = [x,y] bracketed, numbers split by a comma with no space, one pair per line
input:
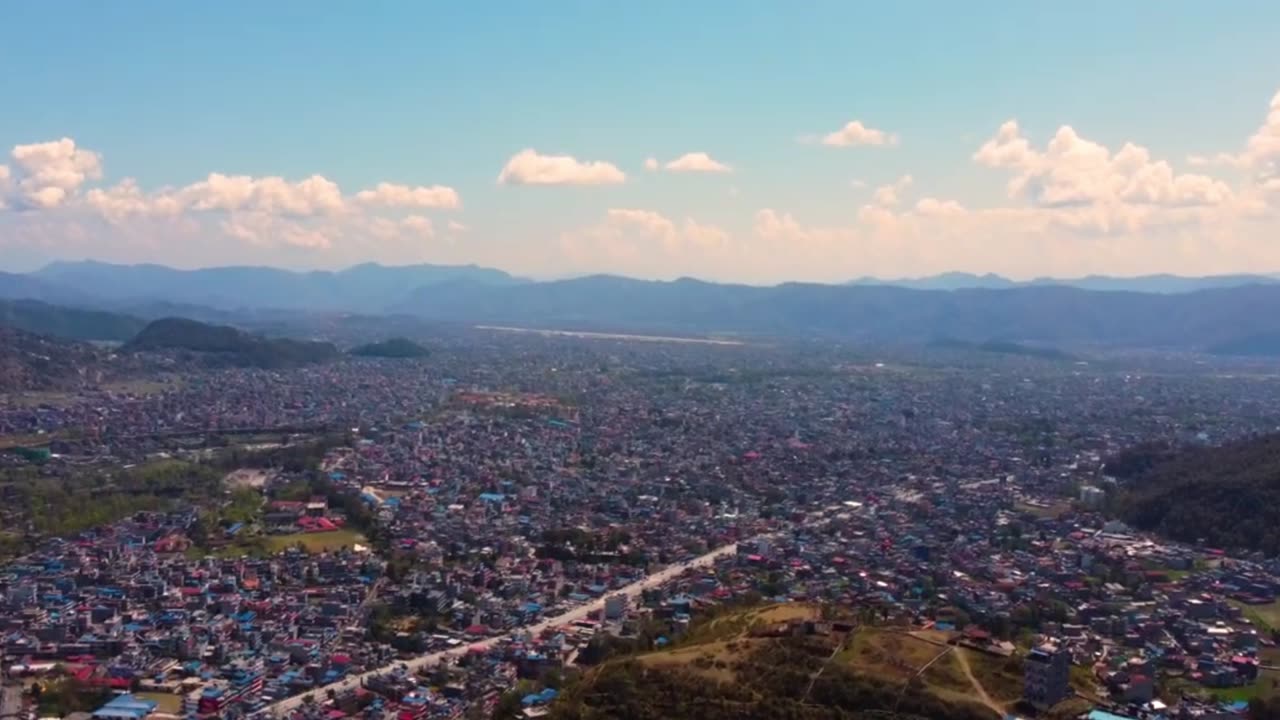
[436,95]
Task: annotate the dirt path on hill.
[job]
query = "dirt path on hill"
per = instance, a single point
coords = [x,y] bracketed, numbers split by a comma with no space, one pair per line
[986,699]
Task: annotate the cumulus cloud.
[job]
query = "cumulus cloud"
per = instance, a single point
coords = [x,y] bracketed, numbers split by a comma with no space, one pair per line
[1261,152]
[311,196]
[392,195]
[48,174]
[854,133]
[888,195]
[697,162]
[528,167]
[1075,171]
[265,230]
[647,242]
[933,207]
[651,164]
[125,199]
[419,226]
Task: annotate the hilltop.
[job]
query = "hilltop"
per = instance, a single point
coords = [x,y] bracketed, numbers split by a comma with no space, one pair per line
[225,344]
[786,661]
[1226,496]
[35,362]
[392,348]
[70,323]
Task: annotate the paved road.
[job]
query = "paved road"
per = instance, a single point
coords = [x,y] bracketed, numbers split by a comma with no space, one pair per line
[11,702]
[580,612]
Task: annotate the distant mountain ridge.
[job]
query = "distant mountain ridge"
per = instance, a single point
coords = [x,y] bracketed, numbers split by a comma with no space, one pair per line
[42,318]
[1230,319]
[1158,283]
[368,287]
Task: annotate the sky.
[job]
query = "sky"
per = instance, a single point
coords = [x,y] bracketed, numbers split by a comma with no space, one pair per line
[730,140]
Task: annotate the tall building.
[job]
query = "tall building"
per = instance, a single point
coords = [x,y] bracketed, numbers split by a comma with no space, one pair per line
[615,606]
[1092,497]
[1048,676]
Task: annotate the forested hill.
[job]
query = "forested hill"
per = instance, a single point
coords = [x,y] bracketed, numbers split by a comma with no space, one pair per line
[1227,496]
[225,344]
[393,348]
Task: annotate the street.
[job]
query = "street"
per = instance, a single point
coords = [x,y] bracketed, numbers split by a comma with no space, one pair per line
[632,591]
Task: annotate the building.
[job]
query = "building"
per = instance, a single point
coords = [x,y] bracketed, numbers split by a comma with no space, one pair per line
[125,707]
[1092,497]
[1048,676]
[615,606]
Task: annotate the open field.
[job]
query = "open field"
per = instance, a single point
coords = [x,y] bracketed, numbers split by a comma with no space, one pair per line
[316,542]
[712,660]
[64,398]
[610,336]
[1269,614]
[168,703]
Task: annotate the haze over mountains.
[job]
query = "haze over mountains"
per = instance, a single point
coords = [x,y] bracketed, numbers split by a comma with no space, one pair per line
[1226,313]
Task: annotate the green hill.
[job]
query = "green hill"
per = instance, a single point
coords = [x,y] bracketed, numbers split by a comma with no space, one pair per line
[1227,496]
[750,665]
[224,344]
[69,323]
[393,348]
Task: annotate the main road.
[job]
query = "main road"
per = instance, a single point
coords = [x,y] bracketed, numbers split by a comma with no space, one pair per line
[572,615]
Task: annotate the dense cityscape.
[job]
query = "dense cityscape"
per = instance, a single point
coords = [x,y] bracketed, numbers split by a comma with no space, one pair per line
[470,533]
[639,361]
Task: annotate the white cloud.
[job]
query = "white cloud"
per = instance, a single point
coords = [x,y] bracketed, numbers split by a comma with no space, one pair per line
[126,199]
[697,162]
[392,195]
[266,230]
[528,167]
[854,133]
[419,226]
[457,227]
[651,164]
[48,174]
[646,242]
[932,207]
[887,195]
[312,196]
[1074,171]
[1263,148]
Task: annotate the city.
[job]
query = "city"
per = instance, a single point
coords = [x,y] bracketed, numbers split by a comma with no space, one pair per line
[460,527]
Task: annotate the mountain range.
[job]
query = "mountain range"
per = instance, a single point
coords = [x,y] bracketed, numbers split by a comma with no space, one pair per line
[1229,314]
[1159,283]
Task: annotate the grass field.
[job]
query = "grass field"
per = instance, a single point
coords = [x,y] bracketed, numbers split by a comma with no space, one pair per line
[897,657]
[1264,617]
[1267,686]
[167,703]
[316,542]
[713,660]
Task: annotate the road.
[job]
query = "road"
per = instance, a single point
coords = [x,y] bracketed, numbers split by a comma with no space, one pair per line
[580,612]
[10,702]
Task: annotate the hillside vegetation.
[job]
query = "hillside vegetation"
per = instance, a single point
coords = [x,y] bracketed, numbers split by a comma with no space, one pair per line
[223,344]
[1227,496]
[36,362]
[69,323]
[741,666]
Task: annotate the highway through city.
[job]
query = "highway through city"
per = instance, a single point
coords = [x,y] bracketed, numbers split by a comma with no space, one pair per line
[575,614]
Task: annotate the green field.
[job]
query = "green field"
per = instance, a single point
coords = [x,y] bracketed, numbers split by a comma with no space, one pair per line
[316,542]
[1266,617]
